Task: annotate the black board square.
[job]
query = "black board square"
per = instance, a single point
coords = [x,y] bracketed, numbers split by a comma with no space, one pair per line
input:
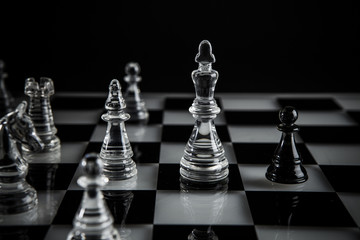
[44,176]
[181,232]
[168,177]
[23,232]
[74,133]
[355,115]
[299,209]
[330,134]
[141,209]
[252,117]
[310,103]
[84,103]
[343,178]
[68,207]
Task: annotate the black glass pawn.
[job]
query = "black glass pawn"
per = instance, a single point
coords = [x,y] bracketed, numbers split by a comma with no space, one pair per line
[286,166]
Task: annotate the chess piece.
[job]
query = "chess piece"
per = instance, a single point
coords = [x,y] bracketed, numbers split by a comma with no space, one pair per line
[135,105]
[204,156]
[16,195]
[93,220]
[40,112]
[286,166]
[116,152]
[6,100]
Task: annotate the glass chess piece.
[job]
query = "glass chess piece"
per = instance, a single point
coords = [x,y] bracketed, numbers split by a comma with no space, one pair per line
[286,166]
[116,152]
[6,100]
[204,156]
[16,194]
[135,105]
[39,93]
[93,220]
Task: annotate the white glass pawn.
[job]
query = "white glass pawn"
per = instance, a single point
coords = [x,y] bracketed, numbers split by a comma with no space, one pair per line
[135,105]
[93,220]
[116,152]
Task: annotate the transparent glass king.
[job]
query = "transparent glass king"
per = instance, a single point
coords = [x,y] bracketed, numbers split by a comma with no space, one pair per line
[204,156]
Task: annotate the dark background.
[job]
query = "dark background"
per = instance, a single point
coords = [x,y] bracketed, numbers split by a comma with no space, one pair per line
[260,46]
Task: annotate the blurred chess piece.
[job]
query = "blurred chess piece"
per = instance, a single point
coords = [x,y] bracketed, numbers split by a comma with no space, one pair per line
[93,220]
[16,128]
[209,204]
[119,204]
[6,100]
[135,105]
[39,93]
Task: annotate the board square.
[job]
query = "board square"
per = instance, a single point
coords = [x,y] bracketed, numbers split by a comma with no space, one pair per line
[343,178]
[43,214]
[74,133]
[298,209]
[309,233]
[252,117]
[77,103]
[310,103]
[24,232]
[355,115]
[253,178]
[181,232]
[140,211]
[351,202]
[248,153]
[202,208]
[169,177]
[335,154]
[155,117]
[51,176]
[330,134]
[73,117]
[68,207]
[256,134]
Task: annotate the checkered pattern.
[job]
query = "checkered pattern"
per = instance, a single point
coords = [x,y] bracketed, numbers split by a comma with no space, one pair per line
[152,206]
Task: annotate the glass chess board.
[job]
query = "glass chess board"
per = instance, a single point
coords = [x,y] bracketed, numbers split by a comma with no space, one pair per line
[155,206]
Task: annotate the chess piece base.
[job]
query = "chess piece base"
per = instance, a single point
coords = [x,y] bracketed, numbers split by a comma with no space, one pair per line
[17,198]
[287,174]
[117,169]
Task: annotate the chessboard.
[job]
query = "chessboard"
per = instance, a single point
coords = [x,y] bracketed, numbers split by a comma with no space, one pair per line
[154,205]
